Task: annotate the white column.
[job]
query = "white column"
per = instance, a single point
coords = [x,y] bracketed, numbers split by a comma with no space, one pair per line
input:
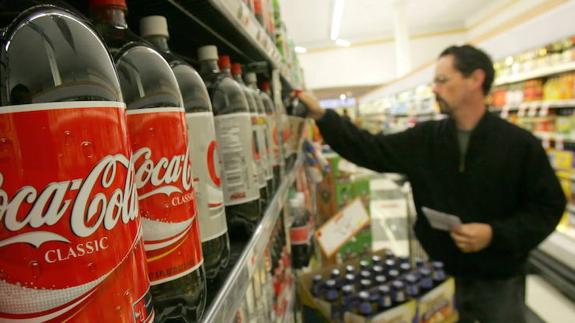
[401,33]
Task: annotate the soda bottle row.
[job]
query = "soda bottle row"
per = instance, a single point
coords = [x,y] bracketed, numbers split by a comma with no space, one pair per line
[376,285]
[123,171]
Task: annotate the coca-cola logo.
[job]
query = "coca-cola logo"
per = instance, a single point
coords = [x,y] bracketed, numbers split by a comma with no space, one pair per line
[89,211]
[163,176]
[212,154]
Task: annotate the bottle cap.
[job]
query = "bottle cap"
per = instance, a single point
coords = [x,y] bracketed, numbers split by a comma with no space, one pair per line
[265,86]
[237,69]
[154,26]
[207,53]
[251,78]
[224,62]
[108,3]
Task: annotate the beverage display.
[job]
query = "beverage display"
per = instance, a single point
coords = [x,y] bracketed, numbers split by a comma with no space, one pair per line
[260,155]
[296,112]
[203,148]
[368,295]
[70,232]
[275,132]
[163,170]
[264,131]
[301,233]
[234,135]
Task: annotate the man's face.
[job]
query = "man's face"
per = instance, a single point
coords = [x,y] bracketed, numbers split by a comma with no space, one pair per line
[450,86]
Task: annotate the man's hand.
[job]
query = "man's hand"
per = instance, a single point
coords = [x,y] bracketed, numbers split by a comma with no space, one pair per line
[472,237]
[314,110]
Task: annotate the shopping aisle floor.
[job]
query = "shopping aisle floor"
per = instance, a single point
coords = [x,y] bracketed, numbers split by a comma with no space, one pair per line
[547,302]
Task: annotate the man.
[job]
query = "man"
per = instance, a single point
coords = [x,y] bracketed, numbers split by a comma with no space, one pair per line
[493,175]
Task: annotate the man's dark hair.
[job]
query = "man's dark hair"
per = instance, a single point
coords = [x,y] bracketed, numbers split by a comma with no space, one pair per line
[468,59]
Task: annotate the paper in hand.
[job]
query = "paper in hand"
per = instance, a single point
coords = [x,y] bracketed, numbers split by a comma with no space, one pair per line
[441,220]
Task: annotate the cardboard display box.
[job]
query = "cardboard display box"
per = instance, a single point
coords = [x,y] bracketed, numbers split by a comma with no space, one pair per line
[436,306]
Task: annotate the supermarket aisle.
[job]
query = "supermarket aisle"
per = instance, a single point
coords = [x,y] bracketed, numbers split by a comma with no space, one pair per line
[547,302]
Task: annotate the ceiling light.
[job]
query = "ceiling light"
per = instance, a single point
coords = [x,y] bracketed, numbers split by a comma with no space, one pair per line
[342,43]
[336,19]
[300,50]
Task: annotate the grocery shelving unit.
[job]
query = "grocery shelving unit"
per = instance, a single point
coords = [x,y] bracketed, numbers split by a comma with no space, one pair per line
[227,24]
[234,30]
[230,294]
[541,72]
[554,259]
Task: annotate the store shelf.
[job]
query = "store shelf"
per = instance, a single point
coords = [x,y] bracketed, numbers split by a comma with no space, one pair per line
[549,104]
[552,136]
[227,24]
[238,13]
[228,300]
[542,72]
[561,246]
[555,261]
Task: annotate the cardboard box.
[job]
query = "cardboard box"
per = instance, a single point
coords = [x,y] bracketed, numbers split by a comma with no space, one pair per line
[436,306]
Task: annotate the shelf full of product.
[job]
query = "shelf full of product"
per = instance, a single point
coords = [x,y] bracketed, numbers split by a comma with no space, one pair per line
[228,300]
[249,31]
[183,152]
[536,91]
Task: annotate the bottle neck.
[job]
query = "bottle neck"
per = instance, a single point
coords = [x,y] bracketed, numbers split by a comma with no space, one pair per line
[227,72]
[111,15]
[238,78]
[209,67]
[161,42]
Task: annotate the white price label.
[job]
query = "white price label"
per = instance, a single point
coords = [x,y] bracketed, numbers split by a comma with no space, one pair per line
[341,227]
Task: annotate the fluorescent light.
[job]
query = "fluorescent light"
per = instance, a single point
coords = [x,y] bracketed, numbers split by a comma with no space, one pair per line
[342,43]
[300,50]
[336,19]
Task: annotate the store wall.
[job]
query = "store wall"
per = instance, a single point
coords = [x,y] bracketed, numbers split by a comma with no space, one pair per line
[522,25]
[368,64]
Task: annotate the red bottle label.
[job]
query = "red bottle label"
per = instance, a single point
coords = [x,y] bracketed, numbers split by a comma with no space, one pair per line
[166,195]
[69,224]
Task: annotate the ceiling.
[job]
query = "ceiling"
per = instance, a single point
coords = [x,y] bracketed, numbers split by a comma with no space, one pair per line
[309,22]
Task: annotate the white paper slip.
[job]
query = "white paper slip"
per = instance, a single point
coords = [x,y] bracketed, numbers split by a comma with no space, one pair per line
[440,220]
[341,227]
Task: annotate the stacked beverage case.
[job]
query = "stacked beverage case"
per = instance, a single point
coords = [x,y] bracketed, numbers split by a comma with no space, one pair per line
[376,285]
[128,188]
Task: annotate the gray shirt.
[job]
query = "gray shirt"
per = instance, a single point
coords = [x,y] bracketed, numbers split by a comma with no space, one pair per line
[463,141]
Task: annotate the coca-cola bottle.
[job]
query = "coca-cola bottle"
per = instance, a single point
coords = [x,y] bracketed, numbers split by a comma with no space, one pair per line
[263,129]
[258,140]
[203,148]
[70,235]
[234,136]
[159,140]
[275,131]
[296,112]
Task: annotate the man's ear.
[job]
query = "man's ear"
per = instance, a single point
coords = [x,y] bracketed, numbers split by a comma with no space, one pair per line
[478,78]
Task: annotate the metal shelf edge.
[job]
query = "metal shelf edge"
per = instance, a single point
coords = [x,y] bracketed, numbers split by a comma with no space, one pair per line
[228,300]
[535,74]
[258,35]
[561,247]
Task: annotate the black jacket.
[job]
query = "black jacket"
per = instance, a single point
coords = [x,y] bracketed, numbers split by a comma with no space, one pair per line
[505,181]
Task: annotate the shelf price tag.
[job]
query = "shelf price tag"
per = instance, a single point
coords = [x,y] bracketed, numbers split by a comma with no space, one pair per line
[505,112]
[559,142]
[341,227]
[522,109]
[544,109]
[532,110]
